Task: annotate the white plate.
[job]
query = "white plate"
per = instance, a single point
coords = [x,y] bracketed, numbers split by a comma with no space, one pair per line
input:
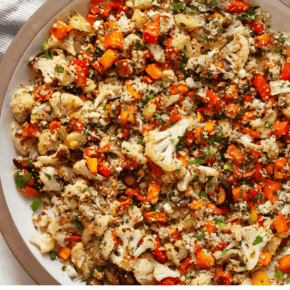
[18,204]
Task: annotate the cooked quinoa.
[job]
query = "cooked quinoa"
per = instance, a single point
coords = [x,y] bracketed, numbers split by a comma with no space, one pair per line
[156,139]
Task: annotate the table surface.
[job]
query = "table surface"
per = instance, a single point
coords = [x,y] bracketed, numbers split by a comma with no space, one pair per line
[13,14]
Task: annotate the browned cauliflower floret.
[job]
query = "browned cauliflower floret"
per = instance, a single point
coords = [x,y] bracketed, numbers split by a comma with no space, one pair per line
[47,142]
[21,106]
[45,242]
[143,272]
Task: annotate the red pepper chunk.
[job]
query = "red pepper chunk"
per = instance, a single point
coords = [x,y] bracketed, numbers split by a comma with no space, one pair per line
[168,281]
[151,29]
[262,87]
[104,168]
[159,254]
[238,7]
[285,74]
[257,27]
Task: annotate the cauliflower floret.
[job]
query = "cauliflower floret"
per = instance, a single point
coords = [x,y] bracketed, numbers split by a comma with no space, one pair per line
[47,66]
[166,23]
[45,242]
[161,272]
[174,255]
[90,87]
[64,104]
[24,145]
[78,254]
[279,87]
[134,151]
[75,139]
[203,60]
[129,250]
[192,171]
[64,75]
[157,52]
[143,272]
[182,43]
[236,52]
[271,146]
[48,175]
[80,23]
[65,172]
[47,142]
[21,106]
[135,216]
[160,146]
[236,27]
[140,4]
[108,244]
[80,168]
[252,240]
[67,43]
[189,22]
[201,279]
[61,155]
[41,113]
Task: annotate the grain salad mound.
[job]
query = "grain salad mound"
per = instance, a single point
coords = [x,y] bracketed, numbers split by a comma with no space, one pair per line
[156,138]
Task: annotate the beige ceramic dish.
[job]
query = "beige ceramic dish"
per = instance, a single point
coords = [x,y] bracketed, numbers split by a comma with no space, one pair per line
[15,212]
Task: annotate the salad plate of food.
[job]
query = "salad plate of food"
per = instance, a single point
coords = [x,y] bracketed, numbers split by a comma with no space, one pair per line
[148,143]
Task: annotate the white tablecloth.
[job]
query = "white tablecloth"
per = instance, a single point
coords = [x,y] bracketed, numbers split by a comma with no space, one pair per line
[13,14]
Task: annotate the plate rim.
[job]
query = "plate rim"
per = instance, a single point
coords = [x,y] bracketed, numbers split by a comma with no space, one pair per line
[8,64]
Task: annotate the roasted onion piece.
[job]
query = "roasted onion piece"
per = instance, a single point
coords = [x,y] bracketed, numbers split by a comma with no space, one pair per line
[129,178]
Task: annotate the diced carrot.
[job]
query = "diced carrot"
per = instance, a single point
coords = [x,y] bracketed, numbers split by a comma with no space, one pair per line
[110,26]
[174,114]
[271,189]
[127,114]
[81,70]
[98,67]
[73,240]
[76,123]
[252,133]
[240,193]
[198,135]
[262,87]
[123,68]
[132,91]
[210,126]
[151,29]
[257,27]
[221,277]
[101,8]
[170,53]
[238,6]
[154,216]
[92,165]
[104,168]
[250,115]
[131,192]
[189,138]
[203,260]
[284,264]
[60,30]
[184,265]
[168,281]
[247,99]
[109,58]
[30,130]
[31,191]
[280,128]
[232,110]
[54,125]
[210,227]
[232,93]
[285,74]
[253,192]
[269,168]
[236,154]
[64,253]
[180,89]
[154,170]
[262,40]
[212,99]
[153,192]
[217,210]
[114,40]
[91,19]
[154,71]
[279,168]
[280,224]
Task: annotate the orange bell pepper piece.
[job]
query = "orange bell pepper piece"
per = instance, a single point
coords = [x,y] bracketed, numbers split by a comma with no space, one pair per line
[271,189]
[154,216]
[151,29]
[237,155]
[92,164]
[64,253]
[127,114]
[108,58]
[61,30]
[262,40]
[154,71]
[284,264]
[280,128]
[114,40]
[280,224]
[30,130]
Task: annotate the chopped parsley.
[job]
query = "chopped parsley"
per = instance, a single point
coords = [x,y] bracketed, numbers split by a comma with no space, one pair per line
[21,181]
[200,235]
[59,69]
[258,240]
